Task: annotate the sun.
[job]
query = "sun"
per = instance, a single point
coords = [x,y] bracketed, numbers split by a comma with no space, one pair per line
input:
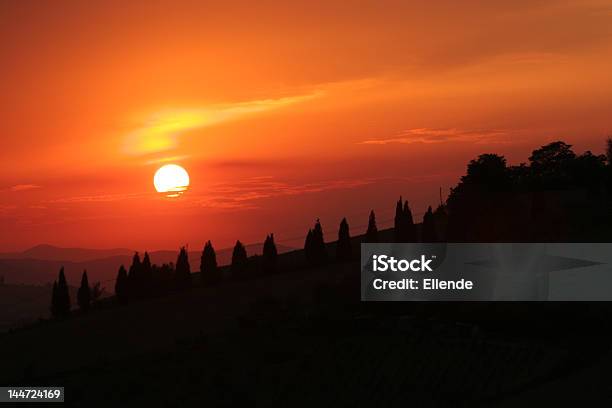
[171,179]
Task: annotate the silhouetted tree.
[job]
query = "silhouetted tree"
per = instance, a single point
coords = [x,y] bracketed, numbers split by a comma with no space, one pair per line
[343,247]
[372,231]
[609,150]
[589,171]
[146,272]
[239,259]
[398,223]
[60,299]
[488,172]
[122,285]
[315,250]
[269,255]
[308,246]
[84,293]
[182,274]
[135,277]
[475,197]
[410,227]
[208,264]
[405,230]
[429,227]
[551,166]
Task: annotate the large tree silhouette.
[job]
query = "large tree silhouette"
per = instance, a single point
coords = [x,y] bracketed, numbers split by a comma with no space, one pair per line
[532,201]
[343,247]
[488,172]
[476,197]
[551,166]
[84,293]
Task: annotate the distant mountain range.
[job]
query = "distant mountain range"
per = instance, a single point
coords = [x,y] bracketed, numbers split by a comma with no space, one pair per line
[40,265]
[53,253]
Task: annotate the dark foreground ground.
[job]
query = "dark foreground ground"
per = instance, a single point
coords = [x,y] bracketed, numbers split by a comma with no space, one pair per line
[303,338]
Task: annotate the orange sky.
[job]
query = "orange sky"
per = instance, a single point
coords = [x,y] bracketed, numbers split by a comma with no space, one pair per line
[281,112]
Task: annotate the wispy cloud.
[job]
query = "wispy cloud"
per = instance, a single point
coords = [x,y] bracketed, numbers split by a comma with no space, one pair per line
[161,131]
[244,194]
[100,198]
[22,187]
[427,135]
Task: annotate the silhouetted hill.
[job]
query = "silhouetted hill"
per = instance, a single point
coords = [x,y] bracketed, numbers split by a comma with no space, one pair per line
[286,338]
[54,253]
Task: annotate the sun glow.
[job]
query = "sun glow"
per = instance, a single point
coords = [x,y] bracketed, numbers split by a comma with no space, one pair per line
[171,179]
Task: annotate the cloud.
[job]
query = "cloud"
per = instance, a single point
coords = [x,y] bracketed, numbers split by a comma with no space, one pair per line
[22,187]
[426,135]
[241,195]
[101,198]
[161,131]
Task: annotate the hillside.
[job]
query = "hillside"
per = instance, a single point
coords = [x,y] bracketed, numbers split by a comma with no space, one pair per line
[263,339]
[22,304]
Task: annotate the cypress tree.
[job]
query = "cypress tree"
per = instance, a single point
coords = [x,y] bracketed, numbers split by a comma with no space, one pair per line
[308,246]
[135,277]
[316,253]
[208,264]
[404,228]
[270,254]
[429,227]
[372,232]
[409,224]
[343,247]
[146,272]
[398,221]
[183,270]
[319,242]
[239,259]
[62,295]
[121,285]
[84,293]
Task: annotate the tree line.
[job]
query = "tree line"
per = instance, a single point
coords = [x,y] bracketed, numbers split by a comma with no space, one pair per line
[557,195]
[144,279]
